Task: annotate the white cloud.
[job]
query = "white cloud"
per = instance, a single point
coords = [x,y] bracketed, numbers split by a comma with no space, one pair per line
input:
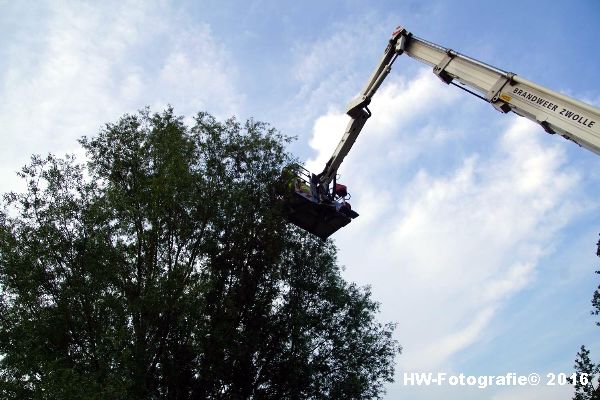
[89,64]
[395,106]
[327,132]
[456,341]
[444,251]
[198,74]
[461,244]
[329,70]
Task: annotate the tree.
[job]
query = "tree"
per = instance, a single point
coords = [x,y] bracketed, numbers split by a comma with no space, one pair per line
[596,296]
[586,371]
[584,365]
[161,268]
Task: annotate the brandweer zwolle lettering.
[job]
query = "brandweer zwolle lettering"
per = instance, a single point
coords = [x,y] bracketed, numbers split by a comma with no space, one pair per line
[553,107]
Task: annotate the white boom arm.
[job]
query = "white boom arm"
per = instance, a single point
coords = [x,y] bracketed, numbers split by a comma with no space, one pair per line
[555,112]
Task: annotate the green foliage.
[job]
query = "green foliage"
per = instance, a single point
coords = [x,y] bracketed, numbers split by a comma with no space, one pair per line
[596,296]
[162,269]
[583,363]
[584,367]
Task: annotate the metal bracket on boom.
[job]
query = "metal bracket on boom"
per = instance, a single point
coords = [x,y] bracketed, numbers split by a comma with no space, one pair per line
[549,130]
[403,36]
[493,95]
[440,69]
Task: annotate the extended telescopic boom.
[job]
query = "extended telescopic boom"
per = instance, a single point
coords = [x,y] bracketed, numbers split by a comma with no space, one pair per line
[556,113]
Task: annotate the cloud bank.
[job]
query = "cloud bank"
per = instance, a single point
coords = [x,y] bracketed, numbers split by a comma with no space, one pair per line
[444,250]
[85,65]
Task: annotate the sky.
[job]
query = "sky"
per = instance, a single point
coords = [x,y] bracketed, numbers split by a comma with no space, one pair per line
[477,230]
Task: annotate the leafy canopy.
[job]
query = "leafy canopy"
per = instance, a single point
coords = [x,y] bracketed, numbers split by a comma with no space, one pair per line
[161,268]
[589,387]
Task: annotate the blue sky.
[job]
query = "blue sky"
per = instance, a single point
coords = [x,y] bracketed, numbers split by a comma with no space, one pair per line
[477,231]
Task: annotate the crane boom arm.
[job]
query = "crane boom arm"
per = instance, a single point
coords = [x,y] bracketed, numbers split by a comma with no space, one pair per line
[505,91]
